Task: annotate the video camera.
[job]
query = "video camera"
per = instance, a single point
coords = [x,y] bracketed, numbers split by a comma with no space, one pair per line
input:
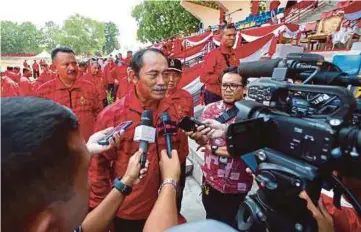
[296,144]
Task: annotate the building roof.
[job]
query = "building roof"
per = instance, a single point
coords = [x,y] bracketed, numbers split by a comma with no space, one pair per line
[210,4]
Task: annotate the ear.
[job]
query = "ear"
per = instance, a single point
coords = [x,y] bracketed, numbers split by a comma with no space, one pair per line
[245,91]
[42,222]
[131,75]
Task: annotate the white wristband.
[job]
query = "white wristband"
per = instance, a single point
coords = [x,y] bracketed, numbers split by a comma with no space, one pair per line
[169,181]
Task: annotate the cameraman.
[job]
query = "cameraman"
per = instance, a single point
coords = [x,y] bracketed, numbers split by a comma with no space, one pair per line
[226,182]
[328,217]
[44,170]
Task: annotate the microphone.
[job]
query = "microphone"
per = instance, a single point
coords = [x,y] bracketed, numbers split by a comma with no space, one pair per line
[165,120]
[145,133]
[264,68]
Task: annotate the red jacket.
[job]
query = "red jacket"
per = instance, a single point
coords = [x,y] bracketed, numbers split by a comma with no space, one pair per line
[98,81]
[183,102]
[9,88]
[104,167]
[44,77]
[35,66]
[82,98]
[119,72]
[108,73]
[13,76]
[26,88]
[213,67]
[26,65]
[124,87]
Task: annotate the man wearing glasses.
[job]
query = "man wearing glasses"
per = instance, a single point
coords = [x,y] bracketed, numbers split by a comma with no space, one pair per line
[226,182]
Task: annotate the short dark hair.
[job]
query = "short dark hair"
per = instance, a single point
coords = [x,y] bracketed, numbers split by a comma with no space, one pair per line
[38,164]
[226,26]
[83,63]
[26,70]
[129,51]
[61,49]
[9,68]
[234,70]
[136,63]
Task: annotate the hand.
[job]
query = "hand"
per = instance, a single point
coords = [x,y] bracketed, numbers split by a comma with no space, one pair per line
[133,174]
[212,129]
[169,167]
[323,218]
[95,148]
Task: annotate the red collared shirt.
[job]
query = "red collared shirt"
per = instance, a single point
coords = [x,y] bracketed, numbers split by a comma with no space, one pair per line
[9,88]
[226,175]
[25,86]
[124,87]
[213,67]
[108,165]
[82,98]
[13,76]
[183,103]
[35,66]
[98,81]
[44,77]
[108,72]
[119,72]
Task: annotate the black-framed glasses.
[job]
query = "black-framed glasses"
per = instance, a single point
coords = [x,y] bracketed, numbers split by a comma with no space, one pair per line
[231,86]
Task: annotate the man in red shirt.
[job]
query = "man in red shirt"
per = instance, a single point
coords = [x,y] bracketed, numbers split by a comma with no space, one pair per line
[10,73]
[52,67]
[184,103]
[25,64]
[9,88]
[45,76]
[79,95]
[35,67]
[108,72]
[149,70]
[216,62]
[128,58]
[118,73]
[83,66]
[96,78]
[25,85]
[126,84]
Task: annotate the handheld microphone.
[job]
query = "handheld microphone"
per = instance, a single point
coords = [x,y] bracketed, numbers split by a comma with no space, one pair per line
[145,133]
[165,120]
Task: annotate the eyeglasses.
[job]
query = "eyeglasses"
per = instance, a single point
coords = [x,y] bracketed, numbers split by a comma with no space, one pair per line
[232,87]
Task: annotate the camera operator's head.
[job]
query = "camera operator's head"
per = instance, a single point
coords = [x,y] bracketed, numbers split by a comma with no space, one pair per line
[149,70]
[43,166]
[228,35]
[232,85]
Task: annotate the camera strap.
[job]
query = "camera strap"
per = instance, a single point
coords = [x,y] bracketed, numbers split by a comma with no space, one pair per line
[228,115]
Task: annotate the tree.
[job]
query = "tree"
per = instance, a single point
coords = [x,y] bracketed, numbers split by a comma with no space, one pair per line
[20,38]
[84,35]
[159,20]
[51,35]
[111,41]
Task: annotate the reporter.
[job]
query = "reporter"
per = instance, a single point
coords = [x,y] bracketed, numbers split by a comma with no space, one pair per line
[44,169]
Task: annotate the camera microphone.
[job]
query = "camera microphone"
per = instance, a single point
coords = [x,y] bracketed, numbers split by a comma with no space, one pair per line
[166,123]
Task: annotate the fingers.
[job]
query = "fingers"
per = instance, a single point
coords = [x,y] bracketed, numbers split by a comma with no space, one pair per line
[310,205]
[323,210]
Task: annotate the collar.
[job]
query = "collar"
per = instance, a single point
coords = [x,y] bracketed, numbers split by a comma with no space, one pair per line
[59,85]
[134,104]
[225,50]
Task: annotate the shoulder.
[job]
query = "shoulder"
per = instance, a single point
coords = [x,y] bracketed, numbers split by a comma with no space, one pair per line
[186,94]
[46,87]
[86,84]
[117,108]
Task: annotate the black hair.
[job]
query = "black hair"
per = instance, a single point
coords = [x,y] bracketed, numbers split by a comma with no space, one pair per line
[61,49]
[129,51]
[9,68]
[136,63]
[38,164]
[83,63]
[234,70]
[226,26]
[26,70]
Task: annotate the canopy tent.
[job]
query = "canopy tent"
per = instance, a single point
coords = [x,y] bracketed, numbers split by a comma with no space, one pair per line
[44,55]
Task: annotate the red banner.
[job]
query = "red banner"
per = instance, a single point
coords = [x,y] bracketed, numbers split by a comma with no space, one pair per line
[252,47]
[197,38]
[261,31]
[191,51]
[190,74]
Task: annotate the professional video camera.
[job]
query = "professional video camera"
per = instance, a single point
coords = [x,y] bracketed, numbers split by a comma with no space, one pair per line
[297,145]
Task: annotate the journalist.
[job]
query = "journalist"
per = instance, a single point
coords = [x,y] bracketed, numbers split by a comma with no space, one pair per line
[226,182]
[44,172]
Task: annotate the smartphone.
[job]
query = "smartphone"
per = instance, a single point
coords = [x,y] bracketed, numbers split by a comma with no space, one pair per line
[189,124]
[122,126]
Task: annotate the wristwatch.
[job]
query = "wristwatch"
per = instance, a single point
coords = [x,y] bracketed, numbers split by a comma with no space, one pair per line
[171,182]
[121,187]
[214,148]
